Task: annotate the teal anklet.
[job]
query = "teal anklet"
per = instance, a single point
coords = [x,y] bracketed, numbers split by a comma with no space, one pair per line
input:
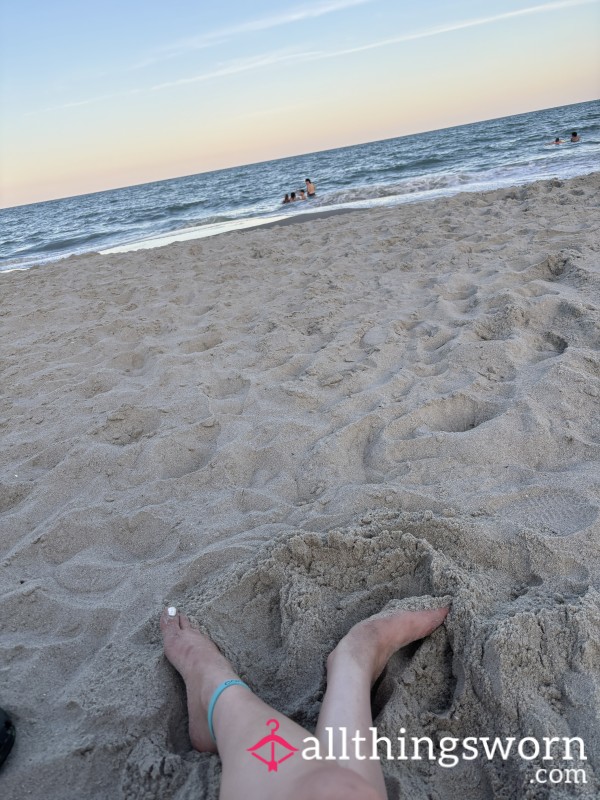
[213,700]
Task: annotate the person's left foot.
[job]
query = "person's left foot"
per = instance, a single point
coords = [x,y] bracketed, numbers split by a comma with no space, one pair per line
[201,666]
[370,644]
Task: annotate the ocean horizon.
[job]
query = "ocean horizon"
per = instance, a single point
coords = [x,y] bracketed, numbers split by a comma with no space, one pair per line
[478,156]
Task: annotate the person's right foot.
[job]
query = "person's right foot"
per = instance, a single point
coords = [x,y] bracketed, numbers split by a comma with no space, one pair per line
[202,668]
[371,643]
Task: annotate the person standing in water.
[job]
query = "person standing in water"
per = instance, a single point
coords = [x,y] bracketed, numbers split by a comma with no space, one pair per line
[310,187]
[575,137]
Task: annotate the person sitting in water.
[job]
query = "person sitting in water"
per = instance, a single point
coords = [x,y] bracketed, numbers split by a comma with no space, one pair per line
[286,199]
[293,197]
[310,187]
[226,717]
[302,195]
[575,137]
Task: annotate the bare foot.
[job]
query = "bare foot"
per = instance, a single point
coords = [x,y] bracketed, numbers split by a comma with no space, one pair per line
[202,668]
[370,644]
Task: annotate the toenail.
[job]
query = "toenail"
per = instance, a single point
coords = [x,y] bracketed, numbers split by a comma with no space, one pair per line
[172,611]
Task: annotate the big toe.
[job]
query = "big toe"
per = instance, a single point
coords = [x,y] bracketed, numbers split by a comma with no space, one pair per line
[172,621]
[431,619]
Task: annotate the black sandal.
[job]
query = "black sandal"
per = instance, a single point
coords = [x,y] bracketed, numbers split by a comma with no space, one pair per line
[7,736]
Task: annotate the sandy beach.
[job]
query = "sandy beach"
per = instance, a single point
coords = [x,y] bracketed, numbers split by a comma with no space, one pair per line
[277,430]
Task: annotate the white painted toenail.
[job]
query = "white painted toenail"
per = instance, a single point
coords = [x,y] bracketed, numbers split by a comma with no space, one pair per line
[171,611]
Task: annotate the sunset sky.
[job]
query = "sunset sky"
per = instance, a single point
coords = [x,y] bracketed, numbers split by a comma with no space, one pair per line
[100,95]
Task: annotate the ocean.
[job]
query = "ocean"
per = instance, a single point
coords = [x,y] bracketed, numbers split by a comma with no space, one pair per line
[483,155]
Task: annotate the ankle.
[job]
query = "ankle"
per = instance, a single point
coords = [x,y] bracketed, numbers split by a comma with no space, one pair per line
[351,659]
[211,681]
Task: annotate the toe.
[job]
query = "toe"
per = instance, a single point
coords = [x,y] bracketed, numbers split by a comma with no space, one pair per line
[432,619]
[184,622]
[168,623]
[442,613]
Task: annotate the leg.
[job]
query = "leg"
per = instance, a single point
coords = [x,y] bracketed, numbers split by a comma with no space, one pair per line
[352,669]
[239,721]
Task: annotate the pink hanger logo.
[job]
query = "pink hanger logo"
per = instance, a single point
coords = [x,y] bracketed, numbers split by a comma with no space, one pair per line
[269,745]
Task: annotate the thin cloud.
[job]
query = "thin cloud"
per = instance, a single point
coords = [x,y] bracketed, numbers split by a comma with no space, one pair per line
[250,26]
[230,68]
[86,102]
[461,25]
[243,65]
[286,57]
[259,62]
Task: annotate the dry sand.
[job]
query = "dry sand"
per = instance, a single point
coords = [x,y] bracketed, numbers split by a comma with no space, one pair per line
[278,430]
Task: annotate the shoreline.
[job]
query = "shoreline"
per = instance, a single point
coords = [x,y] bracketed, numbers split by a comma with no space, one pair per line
[209,231]
[250,224]
[279,429]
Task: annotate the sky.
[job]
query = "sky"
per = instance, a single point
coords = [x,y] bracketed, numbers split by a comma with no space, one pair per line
[94,95]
